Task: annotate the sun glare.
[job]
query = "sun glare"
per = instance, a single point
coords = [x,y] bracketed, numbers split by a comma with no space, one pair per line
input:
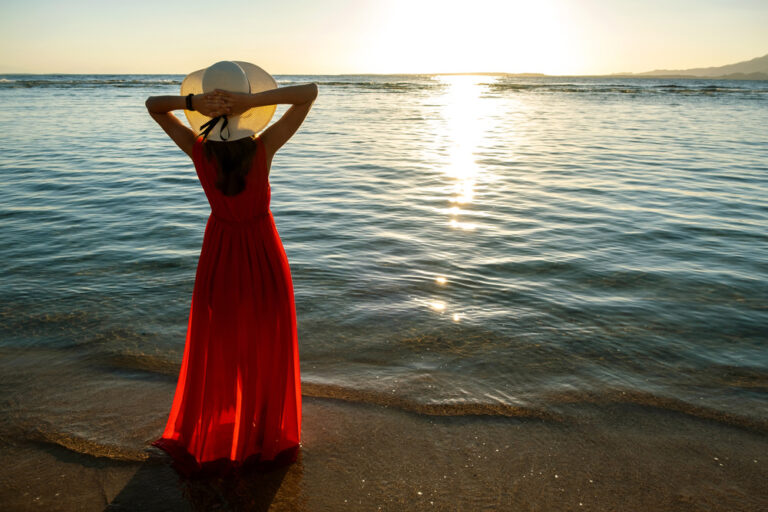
[430,36]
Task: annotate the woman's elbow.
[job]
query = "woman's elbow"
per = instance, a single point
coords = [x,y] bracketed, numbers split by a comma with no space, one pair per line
[313,91]
[152,104]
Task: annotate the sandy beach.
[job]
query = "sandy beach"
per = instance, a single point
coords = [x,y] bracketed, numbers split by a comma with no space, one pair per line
[363,456]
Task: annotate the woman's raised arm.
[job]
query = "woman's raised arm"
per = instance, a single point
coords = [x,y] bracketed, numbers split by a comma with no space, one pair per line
[160,107]
[239,102]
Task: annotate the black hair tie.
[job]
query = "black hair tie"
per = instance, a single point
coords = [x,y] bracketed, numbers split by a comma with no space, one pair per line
[208,126]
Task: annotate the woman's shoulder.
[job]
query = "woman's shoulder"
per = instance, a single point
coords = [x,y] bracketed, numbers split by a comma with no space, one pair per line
[197,146]
[262,152]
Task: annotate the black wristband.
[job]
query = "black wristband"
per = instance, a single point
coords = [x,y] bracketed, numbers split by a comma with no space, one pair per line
[189,102]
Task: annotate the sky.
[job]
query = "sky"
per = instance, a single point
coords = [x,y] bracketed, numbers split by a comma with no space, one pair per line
[380,36]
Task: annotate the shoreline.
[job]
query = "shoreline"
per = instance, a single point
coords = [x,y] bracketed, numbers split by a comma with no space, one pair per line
[76,435]
[372,457]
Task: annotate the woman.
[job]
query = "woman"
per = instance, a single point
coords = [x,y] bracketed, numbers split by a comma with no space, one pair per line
[238,397]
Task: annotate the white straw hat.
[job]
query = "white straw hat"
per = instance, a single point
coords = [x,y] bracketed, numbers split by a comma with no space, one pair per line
[233,76]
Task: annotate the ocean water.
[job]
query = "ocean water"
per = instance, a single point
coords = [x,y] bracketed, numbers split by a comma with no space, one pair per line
[458,244]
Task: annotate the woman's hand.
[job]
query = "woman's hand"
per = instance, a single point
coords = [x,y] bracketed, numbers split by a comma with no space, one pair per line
[234,103]
[209,104]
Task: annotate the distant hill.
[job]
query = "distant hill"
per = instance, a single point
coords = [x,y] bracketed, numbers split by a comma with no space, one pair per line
[755,69]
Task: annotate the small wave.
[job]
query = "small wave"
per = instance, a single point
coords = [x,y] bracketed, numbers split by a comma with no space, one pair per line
[152,363]
[613,396]
[618,396]
[624,89]
[384,86]
[431,409]
[79,83]
[47,434]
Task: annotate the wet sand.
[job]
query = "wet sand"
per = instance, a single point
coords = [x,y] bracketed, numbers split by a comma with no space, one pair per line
[358,456]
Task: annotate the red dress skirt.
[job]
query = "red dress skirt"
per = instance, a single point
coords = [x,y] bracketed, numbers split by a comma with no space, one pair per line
[238,397]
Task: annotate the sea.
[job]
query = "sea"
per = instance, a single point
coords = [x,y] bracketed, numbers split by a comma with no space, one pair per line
[458,244]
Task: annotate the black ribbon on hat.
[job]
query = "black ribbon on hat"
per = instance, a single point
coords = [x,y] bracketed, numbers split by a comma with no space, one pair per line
[207,127]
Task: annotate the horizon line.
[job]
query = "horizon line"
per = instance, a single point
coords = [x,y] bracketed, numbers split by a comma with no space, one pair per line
[645,74]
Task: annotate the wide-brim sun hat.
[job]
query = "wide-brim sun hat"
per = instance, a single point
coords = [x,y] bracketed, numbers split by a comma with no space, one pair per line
[233,76]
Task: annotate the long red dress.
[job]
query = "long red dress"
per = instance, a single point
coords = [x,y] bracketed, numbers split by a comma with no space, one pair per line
[238,396]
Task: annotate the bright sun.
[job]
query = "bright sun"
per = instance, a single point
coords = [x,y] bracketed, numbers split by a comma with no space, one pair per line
[431,36]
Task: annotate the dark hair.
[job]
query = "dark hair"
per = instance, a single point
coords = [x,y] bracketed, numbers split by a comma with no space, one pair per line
[233,161]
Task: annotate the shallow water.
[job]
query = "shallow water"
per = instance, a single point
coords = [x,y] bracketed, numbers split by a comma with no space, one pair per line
[457,243]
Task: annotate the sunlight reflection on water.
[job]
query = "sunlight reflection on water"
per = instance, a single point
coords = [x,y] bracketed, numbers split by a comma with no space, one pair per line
[513,236]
